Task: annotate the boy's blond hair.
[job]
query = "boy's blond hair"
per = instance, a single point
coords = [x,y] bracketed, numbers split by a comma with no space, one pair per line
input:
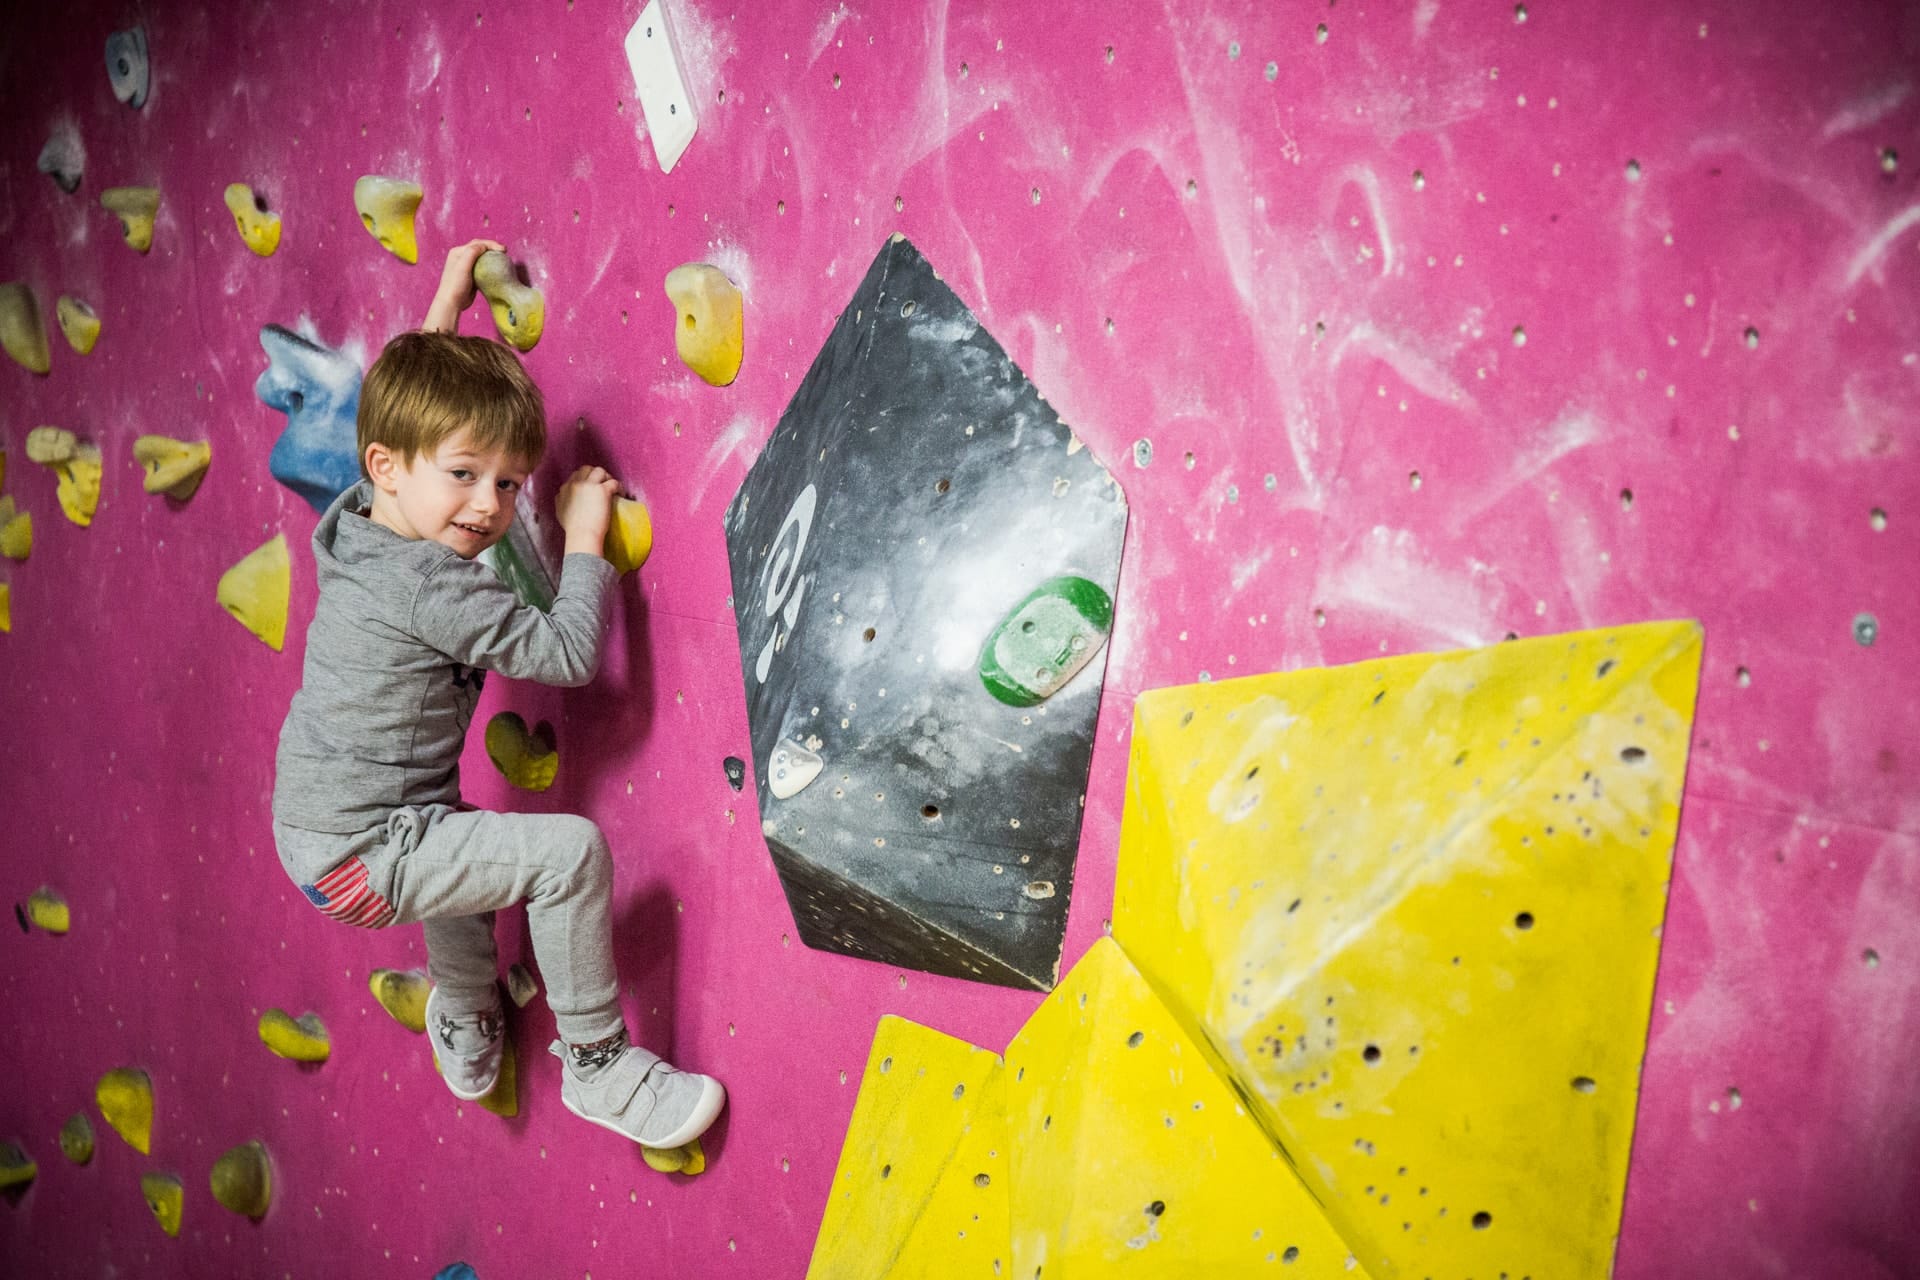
[427,386]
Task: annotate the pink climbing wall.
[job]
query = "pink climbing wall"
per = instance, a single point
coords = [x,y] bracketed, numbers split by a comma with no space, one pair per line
[1443,321]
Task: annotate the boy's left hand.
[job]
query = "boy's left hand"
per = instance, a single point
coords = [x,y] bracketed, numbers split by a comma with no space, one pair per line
[456,290]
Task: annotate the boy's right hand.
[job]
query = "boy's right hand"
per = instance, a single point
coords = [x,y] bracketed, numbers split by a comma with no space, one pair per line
[455,293]
[584,507]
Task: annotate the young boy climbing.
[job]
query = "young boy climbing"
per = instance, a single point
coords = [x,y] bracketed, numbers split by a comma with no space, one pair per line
[366,803]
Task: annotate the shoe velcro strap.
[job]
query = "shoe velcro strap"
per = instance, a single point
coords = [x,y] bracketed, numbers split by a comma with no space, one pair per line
[638,1065]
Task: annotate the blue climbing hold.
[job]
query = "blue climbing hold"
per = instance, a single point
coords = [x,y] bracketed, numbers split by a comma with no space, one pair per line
[458,1271]
[318,388]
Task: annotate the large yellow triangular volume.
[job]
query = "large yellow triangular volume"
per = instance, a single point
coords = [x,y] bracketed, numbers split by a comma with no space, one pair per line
[921,1189]
[1131,1154]
[256,591]
[1415,905]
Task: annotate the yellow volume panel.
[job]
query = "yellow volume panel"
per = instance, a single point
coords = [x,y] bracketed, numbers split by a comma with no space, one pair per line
[921,1189]
[1414,905]
[1131,1154]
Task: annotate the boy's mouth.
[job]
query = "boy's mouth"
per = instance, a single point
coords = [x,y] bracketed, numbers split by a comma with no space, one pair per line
[472,530]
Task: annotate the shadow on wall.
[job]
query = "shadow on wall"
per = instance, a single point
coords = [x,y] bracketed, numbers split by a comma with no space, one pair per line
[608,721]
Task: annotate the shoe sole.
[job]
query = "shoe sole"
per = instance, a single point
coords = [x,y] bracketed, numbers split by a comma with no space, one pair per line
[463,1096]
[713,1096]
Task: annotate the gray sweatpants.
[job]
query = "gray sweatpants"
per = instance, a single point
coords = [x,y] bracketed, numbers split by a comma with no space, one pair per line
[451,869]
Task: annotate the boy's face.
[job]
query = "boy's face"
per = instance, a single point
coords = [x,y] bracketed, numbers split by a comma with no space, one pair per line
[458,495]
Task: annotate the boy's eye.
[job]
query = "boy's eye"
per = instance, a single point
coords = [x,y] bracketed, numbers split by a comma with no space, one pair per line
[461,473]
[509,486]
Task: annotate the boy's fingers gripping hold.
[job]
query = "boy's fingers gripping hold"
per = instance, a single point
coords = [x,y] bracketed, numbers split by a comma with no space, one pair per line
[456,290]
[584,506]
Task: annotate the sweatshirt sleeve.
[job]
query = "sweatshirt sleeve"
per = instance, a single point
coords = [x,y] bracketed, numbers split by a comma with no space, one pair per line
[463,610]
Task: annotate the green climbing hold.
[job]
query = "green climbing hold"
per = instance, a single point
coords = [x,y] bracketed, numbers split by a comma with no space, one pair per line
[76,1138]
[1046,640]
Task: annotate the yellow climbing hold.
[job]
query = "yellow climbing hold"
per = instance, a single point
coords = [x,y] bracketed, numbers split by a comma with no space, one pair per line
[519,310]
[525,758]
[78,322]
[125,1098]
[243,1180]
[166,1197]
[402,994]
[690,1159]
[16,530]
[174,467]
[259,227]
[17,1168]
[386,207]
[629,535]
[21,331]
[256,591]
[76,464]
[921,1189]
[48,910]
[1414,905]
[710,328]
[504,1099]
[136,207]
[303,1039]
[6,606]
[76,1138]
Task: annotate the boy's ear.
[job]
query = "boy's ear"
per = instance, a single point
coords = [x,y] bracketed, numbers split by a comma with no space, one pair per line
[383,468]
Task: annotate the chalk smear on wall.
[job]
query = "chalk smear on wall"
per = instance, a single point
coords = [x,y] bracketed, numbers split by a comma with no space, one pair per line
[823,34]
[731,443]
[1388,574]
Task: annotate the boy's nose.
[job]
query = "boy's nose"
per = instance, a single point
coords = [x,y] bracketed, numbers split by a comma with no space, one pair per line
[486,502]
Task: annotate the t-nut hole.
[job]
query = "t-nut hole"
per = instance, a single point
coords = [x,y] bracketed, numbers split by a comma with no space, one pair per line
[929,811]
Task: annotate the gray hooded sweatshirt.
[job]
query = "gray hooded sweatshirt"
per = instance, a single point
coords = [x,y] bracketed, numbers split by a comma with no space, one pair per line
[400,644]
